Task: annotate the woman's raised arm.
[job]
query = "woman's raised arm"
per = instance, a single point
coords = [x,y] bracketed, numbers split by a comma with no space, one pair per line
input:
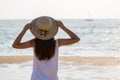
[73,37]
[20,45]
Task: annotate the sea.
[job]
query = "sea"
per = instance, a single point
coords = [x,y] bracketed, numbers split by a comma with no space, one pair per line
[99,37]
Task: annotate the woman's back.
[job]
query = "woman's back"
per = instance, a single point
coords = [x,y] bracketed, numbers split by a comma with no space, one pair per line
[46,69]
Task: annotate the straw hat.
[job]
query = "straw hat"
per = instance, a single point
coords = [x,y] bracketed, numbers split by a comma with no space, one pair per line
[44,27]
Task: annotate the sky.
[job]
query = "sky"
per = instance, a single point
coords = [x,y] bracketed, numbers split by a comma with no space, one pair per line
[78,9]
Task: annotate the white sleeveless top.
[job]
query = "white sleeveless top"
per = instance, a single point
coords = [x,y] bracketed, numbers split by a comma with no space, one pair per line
[46,70]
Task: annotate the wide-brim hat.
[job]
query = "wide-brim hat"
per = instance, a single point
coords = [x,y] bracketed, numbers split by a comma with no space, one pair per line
[44,27]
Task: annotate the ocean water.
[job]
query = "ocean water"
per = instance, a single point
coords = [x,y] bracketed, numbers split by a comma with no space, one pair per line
[100,37]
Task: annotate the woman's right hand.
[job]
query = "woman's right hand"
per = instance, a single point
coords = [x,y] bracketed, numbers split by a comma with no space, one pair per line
[59,24]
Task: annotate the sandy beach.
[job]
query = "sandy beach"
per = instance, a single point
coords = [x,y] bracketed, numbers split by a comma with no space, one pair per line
[75,59]
[83,68]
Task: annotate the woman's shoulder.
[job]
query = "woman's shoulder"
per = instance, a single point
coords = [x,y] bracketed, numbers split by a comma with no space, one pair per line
[32,42]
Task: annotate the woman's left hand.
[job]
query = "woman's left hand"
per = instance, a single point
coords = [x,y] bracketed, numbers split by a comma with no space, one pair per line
[27,26]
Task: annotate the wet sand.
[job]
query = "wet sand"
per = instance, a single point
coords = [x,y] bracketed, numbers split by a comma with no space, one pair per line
[75,59]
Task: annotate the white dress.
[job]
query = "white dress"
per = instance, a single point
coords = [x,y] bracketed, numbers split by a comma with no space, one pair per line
[46,70]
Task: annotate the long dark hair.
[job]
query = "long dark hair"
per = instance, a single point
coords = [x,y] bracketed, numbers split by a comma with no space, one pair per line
[44,49]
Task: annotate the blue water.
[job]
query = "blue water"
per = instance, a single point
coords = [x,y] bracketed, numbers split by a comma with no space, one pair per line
[98,37]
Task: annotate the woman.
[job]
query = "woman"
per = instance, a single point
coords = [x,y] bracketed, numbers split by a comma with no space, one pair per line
[45,59]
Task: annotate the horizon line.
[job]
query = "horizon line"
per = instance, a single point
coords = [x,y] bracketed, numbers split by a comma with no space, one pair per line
[55,18]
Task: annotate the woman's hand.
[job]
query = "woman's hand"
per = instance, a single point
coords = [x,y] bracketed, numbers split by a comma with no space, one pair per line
[59,24]
[27,26]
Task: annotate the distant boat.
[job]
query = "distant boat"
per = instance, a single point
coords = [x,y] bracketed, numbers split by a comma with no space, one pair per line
[88,19]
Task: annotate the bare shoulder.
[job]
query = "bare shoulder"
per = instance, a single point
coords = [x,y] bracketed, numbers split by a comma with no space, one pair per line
[32,42]
[29,43]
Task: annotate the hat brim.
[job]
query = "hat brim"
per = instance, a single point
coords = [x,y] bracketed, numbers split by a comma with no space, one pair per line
[52,32]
